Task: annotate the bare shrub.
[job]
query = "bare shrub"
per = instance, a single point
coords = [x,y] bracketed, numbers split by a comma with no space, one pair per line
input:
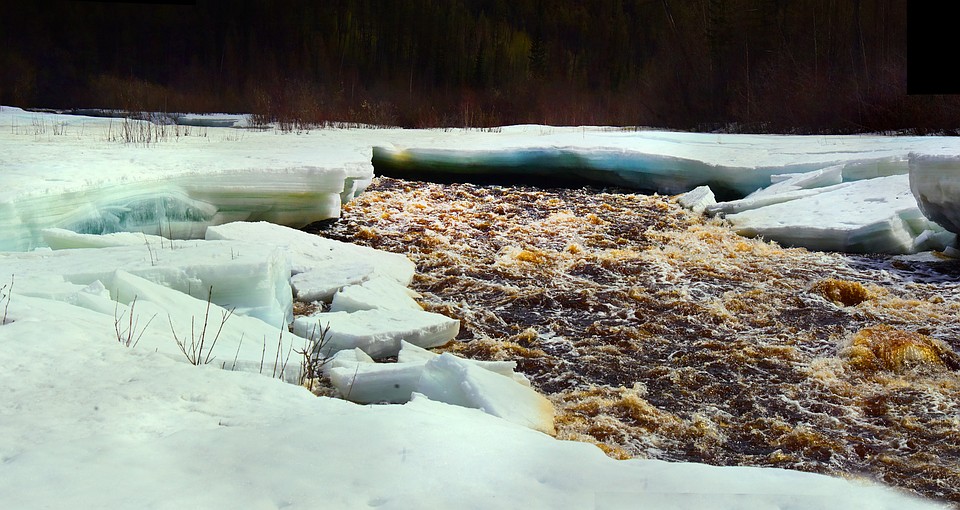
[129,337]
[311,359]
[6,292]
[199,349]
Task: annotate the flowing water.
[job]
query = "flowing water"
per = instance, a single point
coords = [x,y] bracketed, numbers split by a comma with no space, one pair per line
[660,334]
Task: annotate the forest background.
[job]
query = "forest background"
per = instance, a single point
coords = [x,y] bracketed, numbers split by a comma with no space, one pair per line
[798,66]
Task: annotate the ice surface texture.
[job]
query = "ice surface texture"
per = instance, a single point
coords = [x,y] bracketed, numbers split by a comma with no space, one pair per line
[935,182]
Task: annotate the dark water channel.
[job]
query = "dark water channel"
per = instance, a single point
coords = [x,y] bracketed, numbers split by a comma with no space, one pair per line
[659,334]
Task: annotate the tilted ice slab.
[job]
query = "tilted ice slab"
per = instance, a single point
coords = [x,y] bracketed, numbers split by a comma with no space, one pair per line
[380,292]
[851,207]
[377,332]
[935,182]
[359,379]
[85,179]
[252,278]
[455,381]
[870,216]
[444,378]
[410,353]
[326,264]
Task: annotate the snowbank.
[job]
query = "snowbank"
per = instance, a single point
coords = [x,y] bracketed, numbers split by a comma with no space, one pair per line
[90,423]
[76,173]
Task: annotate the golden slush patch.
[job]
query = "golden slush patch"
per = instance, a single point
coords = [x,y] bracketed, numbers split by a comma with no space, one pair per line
[841,292]
[886,347]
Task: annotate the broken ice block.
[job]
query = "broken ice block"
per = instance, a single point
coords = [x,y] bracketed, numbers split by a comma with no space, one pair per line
[455,381]
[378,332]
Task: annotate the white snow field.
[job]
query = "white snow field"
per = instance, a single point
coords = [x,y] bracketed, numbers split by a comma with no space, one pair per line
[86,422]
[77,173]
[102,410]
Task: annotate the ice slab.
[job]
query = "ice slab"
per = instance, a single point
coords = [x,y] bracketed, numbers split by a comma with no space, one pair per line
[359,380]
[346,358]
[410,353]
[367,383]
[311,252]
[935,182]
[697,199]
[756,201]
[869,216]
[454,381]
[819,178]
[671,163]
[252,278]
[323,282]
[787,187]
[380,292]
[591,165]
[377,332]
[63,239]
[181,209]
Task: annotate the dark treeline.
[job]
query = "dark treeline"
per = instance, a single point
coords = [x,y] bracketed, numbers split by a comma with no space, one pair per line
[763,65]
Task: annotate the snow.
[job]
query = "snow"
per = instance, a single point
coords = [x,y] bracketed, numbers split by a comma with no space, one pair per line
[102,410]
[209,333]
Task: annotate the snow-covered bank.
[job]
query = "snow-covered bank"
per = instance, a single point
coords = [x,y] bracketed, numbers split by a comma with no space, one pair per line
[98,175]
[89,423]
